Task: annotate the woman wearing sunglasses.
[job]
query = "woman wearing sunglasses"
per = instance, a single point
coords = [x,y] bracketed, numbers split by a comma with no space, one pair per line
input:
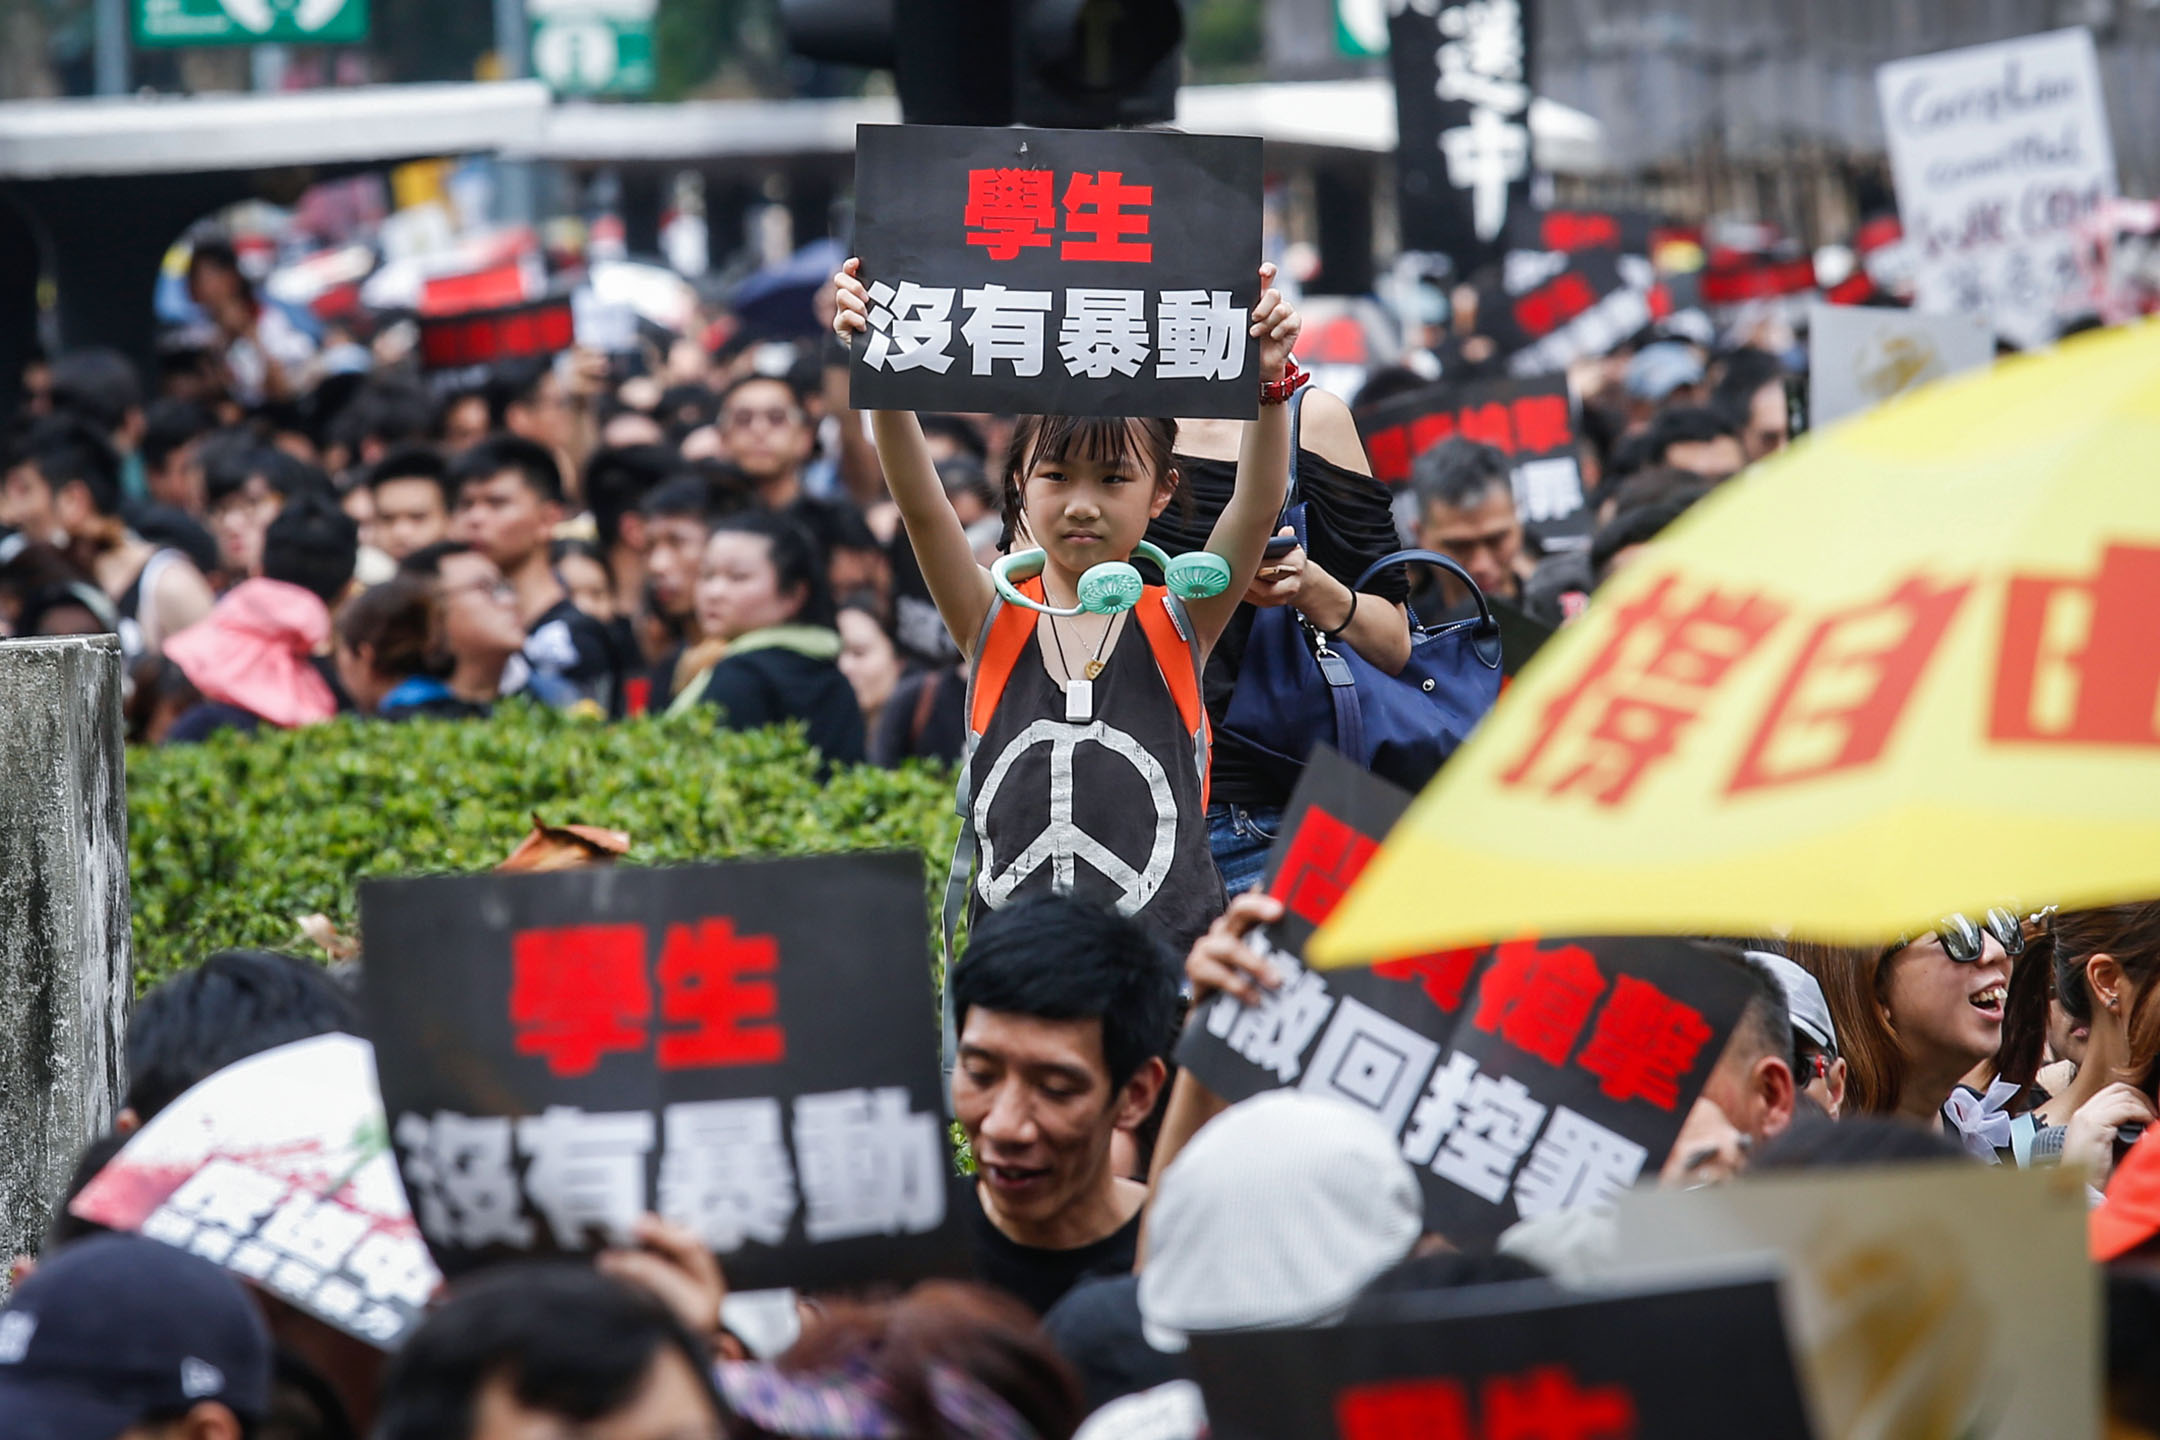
[2103,962]
[1916,1017]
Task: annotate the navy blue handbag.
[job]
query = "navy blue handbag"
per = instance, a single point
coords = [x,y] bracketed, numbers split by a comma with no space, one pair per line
[1296,689]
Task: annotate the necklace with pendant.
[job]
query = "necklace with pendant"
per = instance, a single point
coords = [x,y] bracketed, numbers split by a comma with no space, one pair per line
[1080,693]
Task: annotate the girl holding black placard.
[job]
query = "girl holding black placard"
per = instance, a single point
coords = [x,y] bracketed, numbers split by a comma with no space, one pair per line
[1086,767]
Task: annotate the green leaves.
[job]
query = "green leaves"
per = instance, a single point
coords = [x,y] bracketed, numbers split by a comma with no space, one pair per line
[232,841]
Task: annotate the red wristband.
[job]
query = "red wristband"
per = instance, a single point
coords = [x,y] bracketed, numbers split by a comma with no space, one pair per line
[1275,392]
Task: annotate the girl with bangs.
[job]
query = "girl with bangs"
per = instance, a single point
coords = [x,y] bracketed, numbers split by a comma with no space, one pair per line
[1086,763]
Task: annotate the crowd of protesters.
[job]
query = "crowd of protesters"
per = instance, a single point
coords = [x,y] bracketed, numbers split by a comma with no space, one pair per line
[718,534]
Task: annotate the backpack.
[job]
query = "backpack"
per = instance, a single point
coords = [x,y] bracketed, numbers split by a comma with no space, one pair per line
[998,648]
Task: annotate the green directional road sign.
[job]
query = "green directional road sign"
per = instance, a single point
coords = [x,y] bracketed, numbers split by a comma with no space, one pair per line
[1361,26]
[249,22]
[593,47]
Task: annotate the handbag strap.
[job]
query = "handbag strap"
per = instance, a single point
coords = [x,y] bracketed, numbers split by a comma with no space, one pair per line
[1290,486]
[1485,622]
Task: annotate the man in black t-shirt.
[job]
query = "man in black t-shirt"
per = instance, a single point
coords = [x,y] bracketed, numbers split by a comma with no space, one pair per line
[1064,1011]
[509,501]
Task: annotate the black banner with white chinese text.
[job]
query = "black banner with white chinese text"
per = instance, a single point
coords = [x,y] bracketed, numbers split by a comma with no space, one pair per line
[748,1049]
[1516,1361]
[1462,105]
[1531,421]
[1068,272]
[1529,1077]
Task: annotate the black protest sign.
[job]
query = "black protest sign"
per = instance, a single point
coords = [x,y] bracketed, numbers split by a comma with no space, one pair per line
[1521,637]
[1628,231]
[1515,1361]
[1462,109]
[1336,1032]
[1568,1076]
[1520,1079]
[748,1049]
[482,337]
[1543,309]
[1066,272]
[1532,421]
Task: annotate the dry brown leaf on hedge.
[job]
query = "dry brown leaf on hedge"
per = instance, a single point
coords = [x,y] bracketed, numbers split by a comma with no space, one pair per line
[324,935]
[565,847]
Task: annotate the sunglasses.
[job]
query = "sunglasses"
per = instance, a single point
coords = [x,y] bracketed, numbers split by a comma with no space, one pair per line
[1964,942]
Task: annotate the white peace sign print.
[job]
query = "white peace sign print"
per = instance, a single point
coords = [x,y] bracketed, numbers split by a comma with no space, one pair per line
[1062,842]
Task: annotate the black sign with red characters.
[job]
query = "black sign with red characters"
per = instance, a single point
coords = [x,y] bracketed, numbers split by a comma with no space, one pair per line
[1060,272]
[1628,231]
[482,337]
[1463,168]
[1529,1077]
[722,1044]
[1517,1361]
[1533,421]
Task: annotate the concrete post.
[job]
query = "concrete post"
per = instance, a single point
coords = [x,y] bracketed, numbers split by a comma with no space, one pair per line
[65,968]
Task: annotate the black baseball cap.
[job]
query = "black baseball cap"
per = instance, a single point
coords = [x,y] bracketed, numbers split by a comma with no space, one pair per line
[115,1328]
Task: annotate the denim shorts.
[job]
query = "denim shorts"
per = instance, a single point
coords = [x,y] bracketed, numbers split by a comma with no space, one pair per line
[1240,837]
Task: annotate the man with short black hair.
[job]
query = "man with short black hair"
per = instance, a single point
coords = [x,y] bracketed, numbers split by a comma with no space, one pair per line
[313,544]
[116,1337]
[99,387]
[235,1004]
[1064,1011]
[550,1349]
[1466,510]
[412,500]
[1698,439]
[770,438]
[62,487]
[509,501]
[172,454]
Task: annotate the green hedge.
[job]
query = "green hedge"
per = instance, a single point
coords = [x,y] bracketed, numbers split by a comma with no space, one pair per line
[232,841]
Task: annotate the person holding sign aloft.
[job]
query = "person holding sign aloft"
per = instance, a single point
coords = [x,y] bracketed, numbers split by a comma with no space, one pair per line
[1086,767]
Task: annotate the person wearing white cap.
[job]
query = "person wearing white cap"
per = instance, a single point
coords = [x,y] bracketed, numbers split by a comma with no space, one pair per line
[1276,1215]
[1817,1066]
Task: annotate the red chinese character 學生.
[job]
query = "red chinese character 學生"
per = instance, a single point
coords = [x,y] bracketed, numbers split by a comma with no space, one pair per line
[703,984]
[1547,1404]
[1630,705]
[1644,1041]
[2101,687]
[1443,975]
[1434,1409]
[1095,205]
[1537,1000]
[1010,210]
[578,992]
[1541,424]
[1324,857]
[1848,686]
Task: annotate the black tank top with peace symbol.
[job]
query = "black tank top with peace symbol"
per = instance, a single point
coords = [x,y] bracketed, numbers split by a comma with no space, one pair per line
[1107,809]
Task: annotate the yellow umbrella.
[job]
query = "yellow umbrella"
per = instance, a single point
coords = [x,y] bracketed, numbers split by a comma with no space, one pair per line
[1910,666]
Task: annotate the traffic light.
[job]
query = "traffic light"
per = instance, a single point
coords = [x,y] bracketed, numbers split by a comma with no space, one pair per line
[1075,64]
[1093,64]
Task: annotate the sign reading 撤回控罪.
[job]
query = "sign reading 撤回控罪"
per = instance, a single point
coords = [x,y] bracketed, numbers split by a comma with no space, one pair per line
[1061,272]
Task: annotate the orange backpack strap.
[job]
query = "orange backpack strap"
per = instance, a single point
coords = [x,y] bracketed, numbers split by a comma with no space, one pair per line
[1170,635]
[1004,635]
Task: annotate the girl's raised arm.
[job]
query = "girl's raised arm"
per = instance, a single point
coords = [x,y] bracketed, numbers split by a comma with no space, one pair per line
[960,587]
[1241,533]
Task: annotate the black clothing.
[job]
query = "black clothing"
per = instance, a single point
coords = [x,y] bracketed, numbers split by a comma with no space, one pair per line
[1038,1277]
[918,630]
[1349,524]
[572,659]
[200,722]
[926,719]
[1112,813]
[773,684]
[1096,1327]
